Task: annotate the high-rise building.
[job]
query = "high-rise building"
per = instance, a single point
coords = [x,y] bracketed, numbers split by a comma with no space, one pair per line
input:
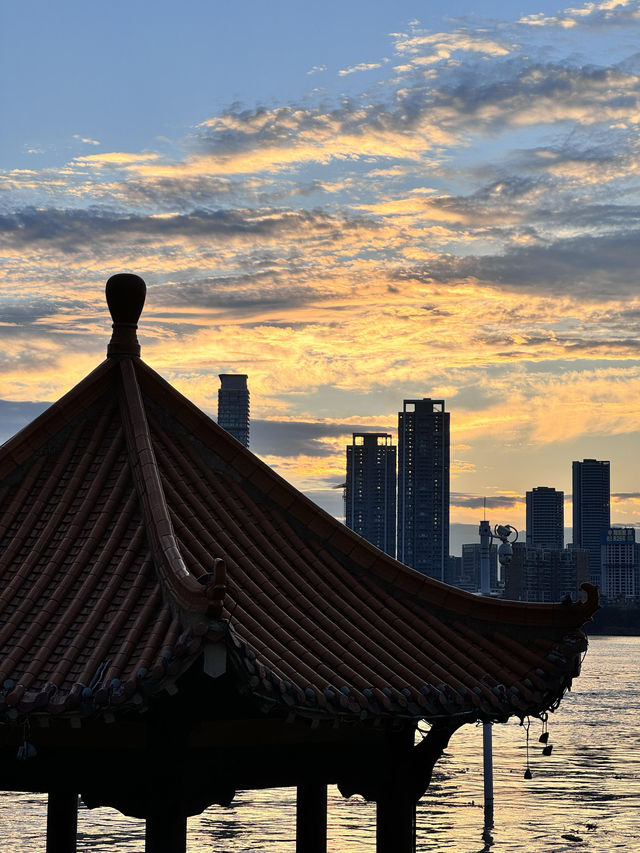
[370,490]
[544,574]
[620,565]
[545,518]
[591,511]
[453,573]
[423,486]
[233,406]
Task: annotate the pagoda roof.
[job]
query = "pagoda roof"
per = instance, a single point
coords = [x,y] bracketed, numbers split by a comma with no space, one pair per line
[138,539]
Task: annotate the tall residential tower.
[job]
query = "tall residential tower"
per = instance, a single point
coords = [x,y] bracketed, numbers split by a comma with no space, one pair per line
[545,518]
[620,566]
[233,405]
[423,486]
[591,511]
[370,490]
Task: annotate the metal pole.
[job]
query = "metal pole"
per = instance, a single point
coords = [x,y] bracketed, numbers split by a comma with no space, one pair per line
[487,755]
[487,731]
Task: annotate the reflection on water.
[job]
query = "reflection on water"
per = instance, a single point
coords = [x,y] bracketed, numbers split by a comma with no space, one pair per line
[585,796]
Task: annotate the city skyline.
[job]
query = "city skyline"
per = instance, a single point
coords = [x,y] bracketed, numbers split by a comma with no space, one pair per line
[371,498]
[355,208]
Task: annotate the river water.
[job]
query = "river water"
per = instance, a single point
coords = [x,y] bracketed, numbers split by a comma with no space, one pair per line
[585,796]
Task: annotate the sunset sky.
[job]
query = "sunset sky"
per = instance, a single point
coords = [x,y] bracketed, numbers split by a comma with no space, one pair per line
[352,202]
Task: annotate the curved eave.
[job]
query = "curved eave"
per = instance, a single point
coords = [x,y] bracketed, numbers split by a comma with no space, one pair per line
[316,620]
[324,623]
[98,611]
[345,542]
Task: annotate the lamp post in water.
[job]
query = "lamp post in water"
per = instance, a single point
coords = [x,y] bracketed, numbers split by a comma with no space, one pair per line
[505,553]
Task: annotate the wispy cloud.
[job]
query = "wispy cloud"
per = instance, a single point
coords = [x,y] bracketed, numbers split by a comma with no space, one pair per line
[361,66]
[466,227]
[464,501]
[423,48]
[608,13]
[85,140]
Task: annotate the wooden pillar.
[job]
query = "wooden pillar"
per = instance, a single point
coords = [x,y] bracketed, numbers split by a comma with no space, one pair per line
[311,818]
[396,822]
[62,822]
[165,832]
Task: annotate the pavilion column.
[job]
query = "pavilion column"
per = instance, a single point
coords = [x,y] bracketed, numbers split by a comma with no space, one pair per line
[165,832]
[62,822]
[166,809]
[311,818]
[396,822]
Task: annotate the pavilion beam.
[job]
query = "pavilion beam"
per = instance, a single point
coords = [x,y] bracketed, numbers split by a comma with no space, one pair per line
[396,822]
[311,818]
[62,822]
[165,832]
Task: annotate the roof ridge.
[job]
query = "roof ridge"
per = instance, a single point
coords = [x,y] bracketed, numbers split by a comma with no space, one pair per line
[178,582]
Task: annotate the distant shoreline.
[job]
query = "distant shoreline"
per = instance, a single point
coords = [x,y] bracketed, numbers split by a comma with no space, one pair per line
[615,622]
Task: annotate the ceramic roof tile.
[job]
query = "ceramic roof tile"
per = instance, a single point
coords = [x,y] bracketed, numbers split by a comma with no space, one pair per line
[133,529]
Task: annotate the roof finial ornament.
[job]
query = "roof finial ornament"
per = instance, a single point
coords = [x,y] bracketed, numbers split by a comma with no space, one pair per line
[125,298]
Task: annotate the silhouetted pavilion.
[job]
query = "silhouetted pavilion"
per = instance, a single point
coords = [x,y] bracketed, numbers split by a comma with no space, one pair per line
[178,622]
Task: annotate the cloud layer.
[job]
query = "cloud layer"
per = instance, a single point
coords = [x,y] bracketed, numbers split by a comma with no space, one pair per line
[466,227]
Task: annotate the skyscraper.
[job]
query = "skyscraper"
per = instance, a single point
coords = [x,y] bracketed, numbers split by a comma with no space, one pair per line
[545,518]
[543,574]
[370,491]
[233,405]
[423,486]
[620,565]
[591,511]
